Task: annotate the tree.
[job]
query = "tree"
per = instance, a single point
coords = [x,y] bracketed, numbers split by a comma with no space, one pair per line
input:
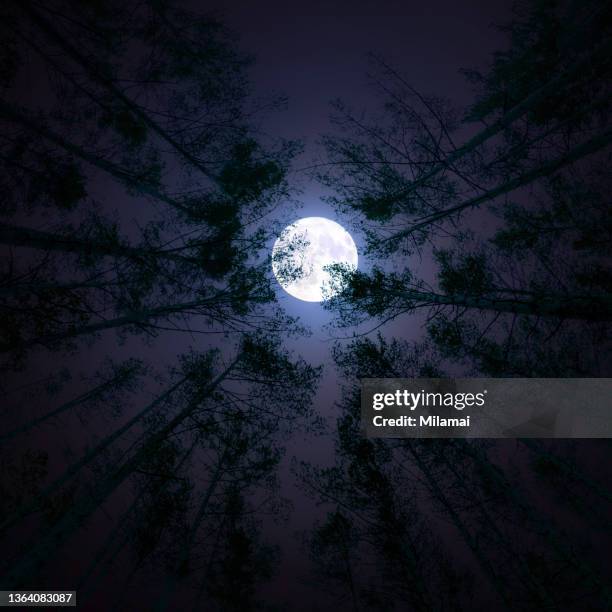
[530,269]
[157,121]
[139,190]
[407,168]
[209,541]
[421,482]
[215,404]
[377,537]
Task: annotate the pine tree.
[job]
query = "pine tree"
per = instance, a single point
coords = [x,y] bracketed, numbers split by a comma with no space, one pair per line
[412,482]
[509,224]
[135,108]
[218,404]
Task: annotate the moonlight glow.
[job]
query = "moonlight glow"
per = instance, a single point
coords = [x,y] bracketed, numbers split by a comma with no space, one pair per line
[309,245]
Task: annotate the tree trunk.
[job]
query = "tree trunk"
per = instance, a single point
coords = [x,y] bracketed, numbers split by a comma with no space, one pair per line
[588,308]
[172,579]
[94,393]
[115,171]
[349,574]
[108,84]
[121,522]
[544,599]
[556,540]
[36,239]
[516,112]
[135,318]
[438,494]
[42,287]
[25,569]
[89,456]
[582,150]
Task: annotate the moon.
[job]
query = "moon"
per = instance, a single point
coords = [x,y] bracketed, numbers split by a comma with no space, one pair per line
[302,251]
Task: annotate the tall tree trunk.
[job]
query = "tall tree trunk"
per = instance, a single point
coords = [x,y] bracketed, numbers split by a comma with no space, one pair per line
[556,540]
[439,495]
[588,308]
[86,459]
[126,178]
[141,318]
[544,598]
[349,574]
[109,545]
[43,287]
[94,393]
[36,239]
[197,605]
[578,152]
[108,84]
[25,569]
[120,523]
[409,563]
[602,51]
[172,579]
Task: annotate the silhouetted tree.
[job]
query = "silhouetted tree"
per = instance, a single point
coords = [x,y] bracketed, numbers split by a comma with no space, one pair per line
[528,275]
[383,545]
[154,102]
[120,378]
[407,168]
[414,484]
[237,412]
[145,109]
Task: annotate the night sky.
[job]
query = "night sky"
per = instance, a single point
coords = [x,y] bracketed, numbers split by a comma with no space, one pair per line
[312,54]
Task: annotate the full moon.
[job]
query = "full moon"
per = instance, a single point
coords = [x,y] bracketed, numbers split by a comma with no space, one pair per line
[308,246]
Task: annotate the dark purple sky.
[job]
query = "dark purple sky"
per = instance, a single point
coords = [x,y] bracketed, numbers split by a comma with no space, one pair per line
[316,52]
[313,53]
